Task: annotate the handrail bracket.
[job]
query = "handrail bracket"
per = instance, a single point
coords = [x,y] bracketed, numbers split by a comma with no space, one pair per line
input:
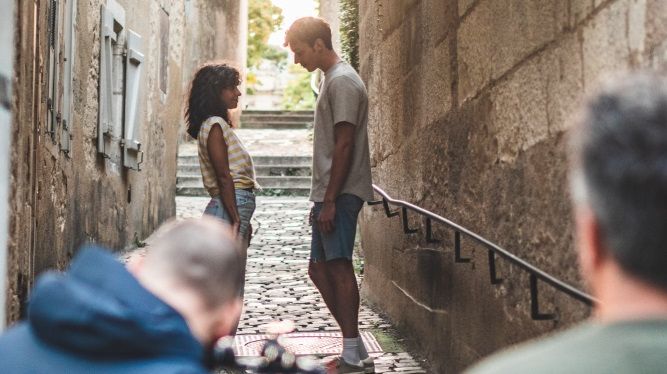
[534,302]
[406,227]
[388,211]
[457,249]
[492,269]
[429,231]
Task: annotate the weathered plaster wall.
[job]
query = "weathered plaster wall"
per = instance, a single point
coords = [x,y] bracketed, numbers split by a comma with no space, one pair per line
[330,11]
[58,201]
[219,33]
[469,102]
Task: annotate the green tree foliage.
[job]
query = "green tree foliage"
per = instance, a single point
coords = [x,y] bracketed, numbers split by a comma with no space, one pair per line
[297,94]
[263,19]
[349,31]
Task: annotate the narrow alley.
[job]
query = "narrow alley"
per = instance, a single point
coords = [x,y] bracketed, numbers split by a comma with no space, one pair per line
[495,169]
[278,288]
[277,285]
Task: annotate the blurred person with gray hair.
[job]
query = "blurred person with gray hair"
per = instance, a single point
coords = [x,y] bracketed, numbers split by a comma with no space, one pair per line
[618,175]
[163,312]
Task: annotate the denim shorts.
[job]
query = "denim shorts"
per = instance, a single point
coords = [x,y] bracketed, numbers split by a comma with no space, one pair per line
[245,203]
[340,242]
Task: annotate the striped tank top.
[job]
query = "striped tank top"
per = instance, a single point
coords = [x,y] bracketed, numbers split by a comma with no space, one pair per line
[240,163]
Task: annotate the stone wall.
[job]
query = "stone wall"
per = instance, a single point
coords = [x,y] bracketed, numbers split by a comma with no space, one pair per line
[219,34]
[60,200]
[469,103]
[330,10]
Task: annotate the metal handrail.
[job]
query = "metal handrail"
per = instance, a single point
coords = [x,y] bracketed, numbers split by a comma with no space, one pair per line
[494,249]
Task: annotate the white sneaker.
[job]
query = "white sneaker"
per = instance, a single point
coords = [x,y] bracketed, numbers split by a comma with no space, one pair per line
[340,366]
[369,365]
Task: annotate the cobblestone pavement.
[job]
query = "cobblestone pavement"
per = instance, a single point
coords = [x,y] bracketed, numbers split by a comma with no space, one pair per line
[277,284]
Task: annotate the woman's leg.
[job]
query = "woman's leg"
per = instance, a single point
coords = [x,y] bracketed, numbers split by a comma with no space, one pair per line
[245,203]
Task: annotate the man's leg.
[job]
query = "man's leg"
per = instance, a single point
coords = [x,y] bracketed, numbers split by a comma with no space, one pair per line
[317,271]
[346,295]
[332,272]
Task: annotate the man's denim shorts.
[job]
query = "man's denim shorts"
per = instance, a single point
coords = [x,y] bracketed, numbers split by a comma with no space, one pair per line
[340,242]
[245,203]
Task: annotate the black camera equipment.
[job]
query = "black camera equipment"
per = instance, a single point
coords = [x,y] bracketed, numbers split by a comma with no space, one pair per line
[274,359]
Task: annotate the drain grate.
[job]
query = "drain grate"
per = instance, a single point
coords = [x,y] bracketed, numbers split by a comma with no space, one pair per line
[302,343]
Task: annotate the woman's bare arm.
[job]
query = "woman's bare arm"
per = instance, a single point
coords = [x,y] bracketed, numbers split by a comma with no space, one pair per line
[217,153]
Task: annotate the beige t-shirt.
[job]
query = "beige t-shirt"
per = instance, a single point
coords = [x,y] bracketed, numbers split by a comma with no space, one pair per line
[342,98]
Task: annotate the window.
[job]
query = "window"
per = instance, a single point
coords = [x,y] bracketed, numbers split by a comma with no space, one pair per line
[120,86]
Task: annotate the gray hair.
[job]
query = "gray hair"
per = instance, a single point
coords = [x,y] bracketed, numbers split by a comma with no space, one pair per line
[619,170]
[201,254]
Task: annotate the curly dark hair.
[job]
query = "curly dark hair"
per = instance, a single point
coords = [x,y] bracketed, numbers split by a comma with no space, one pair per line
[204,99]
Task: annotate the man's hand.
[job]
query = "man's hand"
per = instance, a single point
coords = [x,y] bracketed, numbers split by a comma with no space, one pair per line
[326,218]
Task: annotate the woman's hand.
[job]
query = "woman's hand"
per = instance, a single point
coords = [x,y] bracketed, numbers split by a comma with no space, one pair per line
[236,226]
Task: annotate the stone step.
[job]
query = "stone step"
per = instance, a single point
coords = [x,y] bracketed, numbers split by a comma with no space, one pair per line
[195,180]
[260,170]
[282,170]
[277,125]
[189,180]
[188,160]
[192,189]
[191,168]
[278,112]
[277,118]
[272,119]
[295,191]
[283,160]
[257,160]
[283,182]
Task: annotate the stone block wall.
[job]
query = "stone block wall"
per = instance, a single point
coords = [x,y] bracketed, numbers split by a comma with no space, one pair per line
[469,104]
[60,200]
[329,10]
[216,31]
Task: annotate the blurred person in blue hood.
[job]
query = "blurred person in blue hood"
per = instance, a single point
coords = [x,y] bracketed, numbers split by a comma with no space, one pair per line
[159,314]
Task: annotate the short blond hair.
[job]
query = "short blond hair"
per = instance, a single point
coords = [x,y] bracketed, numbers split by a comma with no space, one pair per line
[202,254]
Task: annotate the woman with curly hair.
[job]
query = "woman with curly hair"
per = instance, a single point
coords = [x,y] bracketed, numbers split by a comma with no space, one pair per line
[227,168]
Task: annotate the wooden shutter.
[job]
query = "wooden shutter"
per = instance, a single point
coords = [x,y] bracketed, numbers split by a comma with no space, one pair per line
[52,41]
[68,61]
[105,119]
[132,153]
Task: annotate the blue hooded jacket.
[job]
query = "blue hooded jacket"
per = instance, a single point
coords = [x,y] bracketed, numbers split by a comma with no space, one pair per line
[97,318]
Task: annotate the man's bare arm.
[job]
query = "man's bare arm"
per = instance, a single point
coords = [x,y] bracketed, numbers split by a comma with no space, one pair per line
[340,168]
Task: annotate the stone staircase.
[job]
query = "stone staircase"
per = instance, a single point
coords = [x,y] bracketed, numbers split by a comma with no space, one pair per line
[277,142]
[278,175]
[276,119]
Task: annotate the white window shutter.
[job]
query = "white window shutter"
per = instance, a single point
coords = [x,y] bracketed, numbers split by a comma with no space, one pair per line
[105,119]
[132,153]
[51,104]
[68,32]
